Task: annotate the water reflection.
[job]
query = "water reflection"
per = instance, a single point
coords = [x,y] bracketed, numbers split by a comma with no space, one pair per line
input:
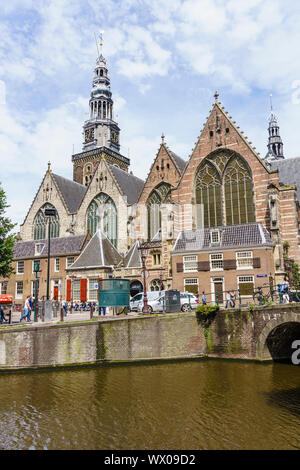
[192,405]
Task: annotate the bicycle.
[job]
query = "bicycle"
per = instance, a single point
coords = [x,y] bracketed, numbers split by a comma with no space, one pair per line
[260,298]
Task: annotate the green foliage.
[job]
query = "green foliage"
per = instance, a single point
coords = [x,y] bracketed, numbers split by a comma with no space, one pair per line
[7,239]
[207,310]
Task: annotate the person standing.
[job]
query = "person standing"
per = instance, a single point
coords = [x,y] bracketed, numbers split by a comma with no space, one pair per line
[228,299]
[26,310]
[203,298]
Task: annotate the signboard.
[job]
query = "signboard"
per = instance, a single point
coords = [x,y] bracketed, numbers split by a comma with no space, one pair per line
[261,275]
[146,274]
[96,285]
[6,299]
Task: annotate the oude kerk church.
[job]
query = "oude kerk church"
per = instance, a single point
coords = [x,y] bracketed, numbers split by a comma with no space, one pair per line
[216,222]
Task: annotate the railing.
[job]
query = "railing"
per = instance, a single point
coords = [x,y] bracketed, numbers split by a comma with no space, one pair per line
[262,295]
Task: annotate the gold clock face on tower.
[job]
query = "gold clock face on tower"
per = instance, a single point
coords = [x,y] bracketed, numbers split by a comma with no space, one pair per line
[114,137]
[89,135]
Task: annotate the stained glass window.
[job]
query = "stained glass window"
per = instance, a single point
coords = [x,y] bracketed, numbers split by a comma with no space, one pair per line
[40,224]
[102,214]
[160,195]
[224,191]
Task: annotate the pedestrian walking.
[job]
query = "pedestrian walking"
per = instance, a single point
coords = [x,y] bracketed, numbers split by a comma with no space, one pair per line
[30,300]
[232,299]
[26,310]
[203,299]
[2,315]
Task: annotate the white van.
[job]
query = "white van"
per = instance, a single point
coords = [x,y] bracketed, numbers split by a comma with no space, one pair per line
[139,299]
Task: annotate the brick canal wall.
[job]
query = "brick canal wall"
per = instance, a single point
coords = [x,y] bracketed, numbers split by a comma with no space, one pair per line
[231,334]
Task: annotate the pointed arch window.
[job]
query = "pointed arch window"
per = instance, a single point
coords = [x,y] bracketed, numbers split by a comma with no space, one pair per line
[224,191]
[160,195]
[40,224]
[102,214]
[238,193]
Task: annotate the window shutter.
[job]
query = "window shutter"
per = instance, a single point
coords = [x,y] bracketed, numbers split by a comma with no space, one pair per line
[229,264]
[83,290]
[69,290]
[203,266]
[180,267]
[256,263]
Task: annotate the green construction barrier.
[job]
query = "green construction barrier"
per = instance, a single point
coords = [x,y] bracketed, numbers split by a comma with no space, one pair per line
[114,292]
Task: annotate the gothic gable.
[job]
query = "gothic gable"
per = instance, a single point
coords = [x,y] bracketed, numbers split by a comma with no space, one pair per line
[48,193]
[166,168]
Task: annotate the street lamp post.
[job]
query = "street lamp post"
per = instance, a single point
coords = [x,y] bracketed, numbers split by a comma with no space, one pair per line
[72,277]
[36,268]
[144,252]
[49,213]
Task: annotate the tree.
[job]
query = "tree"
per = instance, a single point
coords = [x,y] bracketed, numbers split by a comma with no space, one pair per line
[7,239]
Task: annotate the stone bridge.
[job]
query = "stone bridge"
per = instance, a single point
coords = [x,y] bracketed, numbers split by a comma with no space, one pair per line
[264,333]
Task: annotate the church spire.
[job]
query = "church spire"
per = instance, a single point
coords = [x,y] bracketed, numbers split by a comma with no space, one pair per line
[100,130]
[275,145]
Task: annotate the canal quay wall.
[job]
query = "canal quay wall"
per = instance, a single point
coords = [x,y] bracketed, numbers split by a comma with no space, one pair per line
[232,334]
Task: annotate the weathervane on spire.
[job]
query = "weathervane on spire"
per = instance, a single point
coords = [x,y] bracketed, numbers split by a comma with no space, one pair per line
[271,101]
[216,96]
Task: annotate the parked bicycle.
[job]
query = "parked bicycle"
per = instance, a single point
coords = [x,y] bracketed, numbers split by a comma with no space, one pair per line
[261,298]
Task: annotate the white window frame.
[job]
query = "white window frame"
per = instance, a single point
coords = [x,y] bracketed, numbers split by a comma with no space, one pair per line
[246,280]
[76,289]
[212,234]
[67,262]
[188,262]
[55,265]
[218,258]
[38,248]
[240,257]
[1,287]
[92,293]
[18,294]
[191,281]
[20,272]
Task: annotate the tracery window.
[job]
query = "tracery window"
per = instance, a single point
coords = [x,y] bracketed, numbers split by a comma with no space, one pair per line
[102,214]
[224,194]
[160,195]
[40,224]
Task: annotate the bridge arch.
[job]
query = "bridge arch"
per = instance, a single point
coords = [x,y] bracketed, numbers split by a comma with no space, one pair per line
[275,340]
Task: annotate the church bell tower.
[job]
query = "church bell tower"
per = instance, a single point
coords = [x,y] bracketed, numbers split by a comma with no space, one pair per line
[101,133]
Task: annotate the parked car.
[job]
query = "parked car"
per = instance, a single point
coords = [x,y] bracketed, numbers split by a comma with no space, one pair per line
[139,299]
[188,302]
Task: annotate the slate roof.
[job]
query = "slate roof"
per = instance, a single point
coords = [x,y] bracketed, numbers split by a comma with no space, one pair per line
[232,236]
[130,185]
[71,191]
[58,247]
[98,253]
[179,161]
[133,257]
[289,172]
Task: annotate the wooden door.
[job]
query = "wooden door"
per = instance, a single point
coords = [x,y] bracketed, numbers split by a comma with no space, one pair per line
[55,293]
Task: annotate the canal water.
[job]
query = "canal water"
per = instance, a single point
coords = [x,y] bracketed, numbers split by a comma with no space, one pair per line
[185,405]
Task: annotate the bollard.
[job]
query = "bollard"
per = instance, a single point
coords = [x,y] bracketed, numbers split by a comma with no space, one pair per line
[240,298]
[9,317]
[61,314]
[91,310]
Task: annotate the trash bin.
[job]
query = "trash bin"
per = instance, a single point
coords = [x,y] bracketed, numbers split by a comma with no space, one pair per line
[172,301]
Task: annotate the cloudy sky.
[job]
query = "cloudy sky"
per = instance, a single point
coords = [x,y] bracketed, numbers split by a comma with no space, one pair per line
[166,59]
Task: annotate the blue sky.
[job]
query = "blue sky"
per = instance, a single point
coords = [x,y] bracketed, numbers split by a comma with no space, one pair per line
[166,59]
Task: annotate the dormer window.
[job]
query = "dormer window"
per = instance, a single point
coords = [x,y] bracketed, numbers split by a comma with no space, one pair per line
[215,236]
[39,248]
